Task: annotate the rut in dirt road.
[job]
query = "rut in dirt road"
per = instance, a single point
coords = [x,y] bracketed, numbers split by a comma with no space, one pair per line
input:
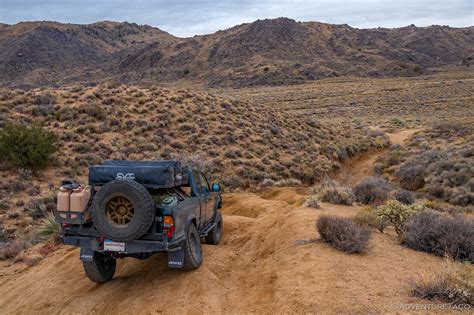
[258,267]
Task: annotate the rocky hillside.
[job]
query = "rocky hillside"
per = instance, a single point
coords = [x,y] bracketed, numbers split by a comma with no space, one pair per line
[265,52]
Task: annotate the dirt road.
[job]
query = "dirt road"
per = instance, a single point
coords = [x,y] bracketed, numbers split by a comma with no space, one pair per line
[258,267]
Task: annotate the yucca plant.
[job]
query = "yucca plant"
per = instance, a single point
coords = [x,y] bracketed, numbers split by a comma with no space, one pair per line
[50,228]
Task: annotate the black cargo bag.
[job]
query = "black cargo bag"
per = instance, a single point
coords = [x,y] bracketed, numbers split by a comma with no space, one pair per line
[151,174]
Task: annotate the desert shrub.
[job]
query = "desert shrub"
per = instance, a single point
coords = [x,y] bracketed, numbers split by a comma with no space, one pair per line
[372,190]
[454,284]
[368,216]
[45,99]
[404,196]
[439,234]
[312,202]
[290,182]
[11,249]
[411,176]
[38,208]
[26,147]
[343,233]
[397,213]
[330,191]
[50,228]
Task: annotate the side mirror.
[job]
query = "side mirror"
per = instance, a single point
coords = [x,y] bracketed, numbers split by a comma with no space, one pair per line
[216,187]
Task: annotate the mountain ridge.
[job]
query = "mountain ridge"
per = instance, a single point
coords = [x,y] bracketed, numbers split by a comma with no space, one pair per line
[266,52]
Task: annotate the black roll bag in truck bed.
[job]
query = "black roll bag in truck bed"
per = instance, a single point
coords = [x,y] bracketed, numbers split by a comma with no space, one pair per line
[151,174]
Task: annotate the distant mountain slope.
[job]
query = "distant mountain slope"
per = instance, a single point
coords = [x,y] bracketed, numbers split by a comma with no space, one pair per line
[265,52]
[49,52]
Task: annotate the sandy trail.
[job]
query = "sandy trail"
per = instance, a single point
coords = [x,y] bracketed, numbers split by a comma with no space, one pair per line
[360,167]
[258,267]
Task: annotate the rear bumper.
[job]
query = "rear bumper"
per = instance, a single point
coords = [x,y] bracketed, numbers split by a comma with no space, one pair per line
[89,245]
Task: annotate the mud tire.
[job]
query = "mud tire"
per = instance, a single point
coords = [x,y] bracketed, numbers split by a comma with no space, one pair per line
[215,235]
[101,269]
[144,210]
[192,248]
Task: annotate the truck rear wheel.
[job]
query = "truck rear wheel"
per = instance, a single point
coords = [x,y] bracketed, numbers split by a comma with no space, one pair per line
[101,269]
[215,235]
[123,210]
[192,248]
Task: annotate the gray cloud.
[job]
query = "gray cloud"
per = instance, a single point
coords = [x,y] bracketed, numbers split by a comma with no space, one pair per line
[187,18]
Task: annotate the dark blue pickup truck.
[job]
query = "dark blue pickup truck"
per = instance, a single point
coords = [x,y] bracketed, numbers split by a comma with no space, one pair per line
[138,208]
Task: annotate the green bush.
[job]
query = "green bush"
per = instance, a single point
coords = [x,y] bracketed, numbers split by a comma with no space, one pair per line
[26,147]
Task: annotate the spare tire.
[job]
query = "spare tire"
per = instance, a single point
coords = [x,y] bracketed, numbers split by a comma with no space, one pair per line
[123,210]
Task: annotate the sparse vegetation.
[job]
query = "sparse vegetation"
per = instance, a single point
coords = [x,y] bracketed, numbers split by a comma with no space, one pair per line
[343,234]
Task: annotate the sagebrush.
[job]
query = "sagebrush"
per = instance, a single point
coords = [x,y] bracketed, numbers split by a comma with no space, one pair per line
[343,233]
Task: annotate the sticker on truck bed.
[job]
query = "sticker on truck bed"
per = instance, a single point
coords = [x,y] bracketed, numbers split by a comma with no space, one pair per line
[114,246]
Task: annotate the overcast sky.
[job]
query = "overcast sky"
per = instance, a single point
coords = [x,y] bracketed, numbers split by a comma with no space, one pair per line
[187,18]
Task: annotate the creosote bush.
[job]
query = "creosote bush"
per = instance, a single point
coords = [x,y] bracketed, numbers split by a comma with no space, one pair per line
[372,190]
[440,234]
[343,233]
[26,147]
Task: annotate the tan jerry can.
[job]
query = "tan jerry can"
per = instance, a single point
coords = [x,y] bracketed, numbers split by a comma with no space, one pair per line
[79,199]
[63,203]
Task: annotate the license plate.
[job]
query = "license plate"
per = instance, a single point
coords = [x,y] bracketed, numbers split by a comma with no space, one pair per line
[114,246]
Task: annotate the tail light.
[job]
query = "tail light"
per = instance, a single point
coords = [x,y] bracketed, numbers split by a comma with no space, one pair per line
[168,225]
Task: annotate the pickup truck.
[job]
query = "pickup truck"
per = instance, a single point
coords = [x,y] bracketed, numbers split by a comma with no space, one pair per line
[136,209]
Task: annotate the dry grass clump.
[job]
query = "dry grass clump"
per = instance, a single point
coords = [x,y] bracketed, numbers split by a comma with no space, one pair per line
[439,234]
[343,234]
[454,284]
[368,216]
[312,202]
[332,192]
[372,190]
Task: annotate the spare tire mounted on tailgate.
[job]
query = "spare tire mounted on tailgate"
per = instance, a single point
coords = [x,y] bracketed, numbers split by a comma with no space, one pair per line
[123,210]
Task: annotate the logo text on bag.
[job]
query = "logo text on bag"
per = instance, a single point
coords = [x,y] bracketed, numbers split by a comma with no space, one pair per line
[125,176]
